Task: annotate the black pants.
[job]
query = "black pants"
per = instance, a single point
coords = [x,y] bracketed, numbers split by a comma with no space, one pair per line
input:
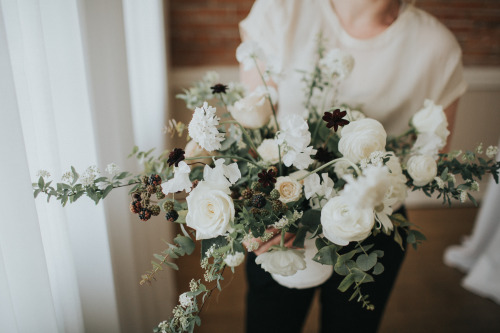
[274,308]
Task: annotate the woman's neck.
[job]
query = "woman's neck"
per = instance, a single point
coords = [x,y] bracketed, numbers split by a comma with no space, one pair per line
[365,19]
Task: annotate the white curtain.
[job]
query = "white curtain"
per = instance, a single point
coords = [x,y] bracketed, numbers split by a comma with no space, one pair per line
[77,88]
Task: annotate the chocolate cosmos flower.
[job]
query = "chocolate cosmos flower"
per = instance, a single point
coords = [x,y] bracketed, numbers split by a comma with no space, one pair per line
[219,89]
[267,177]
[175,157]
[334,119]
[323,155]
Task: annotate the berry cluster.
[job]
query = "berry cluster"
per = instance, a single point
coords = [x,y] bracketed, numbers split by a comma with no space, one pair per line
[172,214]
[141,199]
[257,199]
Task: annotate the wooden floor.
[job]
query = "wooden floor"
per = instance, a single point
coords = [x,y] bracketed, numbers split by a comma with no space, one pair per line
[427,296]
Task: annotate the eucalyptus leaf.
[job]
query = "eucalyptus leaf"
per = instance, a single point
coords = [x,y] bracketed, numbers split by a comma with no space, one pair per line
[366,262]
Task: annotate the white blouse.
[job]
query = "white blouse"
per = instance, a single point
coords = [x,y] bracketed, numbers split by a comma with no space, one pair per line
[414,59]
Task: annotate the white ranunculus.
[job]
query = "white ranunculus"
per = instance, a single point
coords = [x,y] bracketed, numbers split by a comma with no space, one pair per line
[362,137]
[368,189]
[269,151]
[428,144]
[399,190]
[431,119]
[210,210]
[254,110]
[422,169]
[284,262]
[290,189]
[233,260]
[342,223]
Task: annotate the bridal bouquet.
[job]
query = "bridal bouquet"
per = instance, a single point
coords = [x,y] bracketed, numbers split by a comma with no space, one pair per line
[331,176]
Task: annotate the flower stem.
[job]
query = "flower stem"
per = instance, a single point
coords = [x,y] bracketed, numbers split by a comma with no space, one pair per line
[355,167]
[239,158]
[268,95]
[245,133]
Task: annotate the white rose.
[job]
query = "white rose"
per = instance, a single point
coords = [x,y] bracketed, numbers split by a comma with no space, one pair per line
[254,110]
[422,168]
[233,260]
[284,262]
[431,119]
[398,192]
[362,137]
[290,189]
[269,151]
[210,210]
[342,223]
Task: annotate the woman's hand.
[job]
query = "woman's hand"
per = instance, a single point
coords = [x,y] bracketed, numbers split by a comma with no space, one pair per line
[275,240]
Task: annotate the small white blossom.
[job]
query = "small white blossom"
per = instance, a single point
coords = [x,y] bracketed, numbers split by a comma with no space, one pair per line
[474,186]
[233,260]
[112,169]
[185,300]
[67,177]
[43,174]
[193,285]
[282,223]
[294,138]
[88,177]
[479,148]
[203,128]
[439,182]
[337,62]
[491,151]
[463,196]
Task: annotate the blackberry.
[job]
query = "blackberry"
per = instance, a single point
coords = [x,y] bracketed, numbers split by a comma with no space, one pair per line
[247,202]
[256,186]
[172,215]
[258,201]
[151,189]
[278,206]
[159,194]
[274,195]
[145,180]
[256,211]
[235,194]
[145,214]
[154,180]
[135,207]
[168,205]
[136,196]
[155,210]
[247,193]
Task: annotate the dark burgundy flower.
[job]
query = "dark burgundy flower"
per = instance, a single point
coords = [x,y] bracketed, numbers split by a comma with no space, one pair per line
[334,119]
[267,177]
[323,155]
[175,157]
[219,88]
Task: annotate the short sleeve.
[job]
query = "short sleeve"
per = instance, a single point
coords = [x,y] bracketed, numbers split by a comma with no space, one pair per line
[454,84]
[266,24]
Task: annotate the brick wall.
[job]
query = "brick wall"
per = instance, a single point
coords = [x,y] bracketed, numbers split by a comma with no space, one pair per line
[205,32]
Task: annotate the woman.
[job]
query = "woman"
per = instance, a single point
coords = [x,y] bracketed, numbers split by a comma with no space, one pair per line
[402,57]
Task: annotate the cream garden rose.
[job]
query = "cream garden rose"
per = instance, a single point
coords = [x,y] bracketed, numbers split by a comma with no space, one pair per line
[254,110]
[290,189]
[233,260]
[210,210]
[342,223]
[362,137]
[422,169]
[284,262]
[431,119]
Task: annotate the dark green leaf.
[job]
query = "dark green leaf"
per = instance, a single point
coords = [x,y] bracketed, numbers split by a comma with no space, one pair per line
[106,191]
[366,262]
[378,269]
[185,243]
[346,282]
[327,255]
